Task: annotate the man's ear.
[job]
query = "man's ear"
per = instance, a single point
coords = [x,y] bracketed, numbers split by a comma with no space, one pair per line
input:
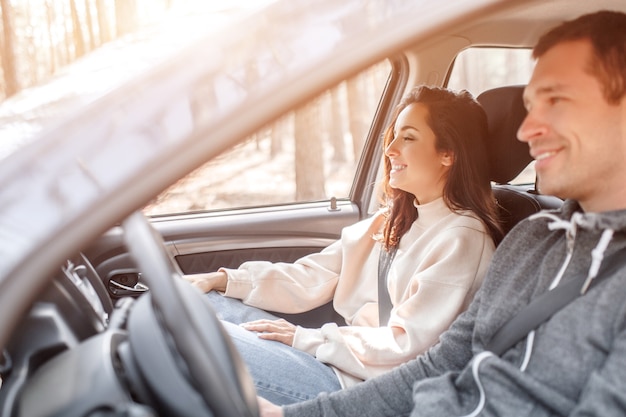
[447,158]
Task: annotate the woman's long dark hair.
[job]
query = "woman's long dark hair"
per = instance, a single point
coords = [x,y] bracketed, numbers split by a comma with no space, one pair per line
[460,126]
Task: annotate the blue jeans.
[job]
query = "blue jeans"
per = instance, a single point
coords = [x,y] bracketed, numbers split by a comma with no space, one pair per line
[281,374]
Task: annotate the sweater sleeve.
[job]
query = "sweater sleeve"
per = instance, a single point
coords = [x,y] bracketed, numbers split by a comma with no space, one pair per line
[287,287]
[307,283]
[438,291]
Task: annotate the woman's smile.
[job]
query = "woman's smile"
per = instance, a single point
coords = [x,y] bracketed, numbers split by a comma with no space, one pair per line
[395,168]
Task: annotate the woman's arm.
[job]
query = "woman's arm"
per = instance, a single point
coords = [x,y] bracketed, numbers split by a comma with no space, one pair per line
[300,286]
[208,281]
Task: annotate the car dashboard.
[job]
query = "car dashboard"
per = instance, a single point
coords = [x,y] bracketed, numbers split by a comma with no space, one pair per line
[52,348]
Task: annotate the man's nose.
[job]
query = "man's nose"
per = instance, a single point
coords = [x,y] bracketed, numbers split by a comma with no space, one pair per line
[531,128]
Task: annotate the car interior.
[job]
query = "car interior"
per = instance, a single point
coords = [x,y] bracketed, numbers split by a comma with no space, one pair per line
[95,289]
[80,290]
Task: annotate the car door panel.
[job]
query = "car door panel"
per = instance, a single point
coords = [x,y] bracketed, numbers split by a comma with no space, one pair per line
[204,242]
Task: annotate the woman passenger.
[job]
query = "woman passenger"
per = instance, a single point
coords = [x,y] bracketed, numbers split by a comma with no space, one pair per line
[439,225]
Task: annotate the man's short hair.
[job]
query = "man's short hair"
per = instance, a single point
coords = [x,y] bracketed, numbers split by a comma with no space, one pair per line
[606,30]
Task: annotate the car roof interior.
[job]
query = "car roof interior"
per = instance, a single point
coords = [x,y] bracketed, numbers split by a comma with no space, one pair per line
[515,27]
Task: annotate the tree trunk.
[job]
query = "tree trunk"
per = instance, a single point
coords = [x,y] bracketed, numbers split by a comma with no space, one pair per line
[52,65]
[308,152]
[89,20]
[125,16]
[336,126]
[69,50]
[9,63]
[358,127]
[104,30]
[77,31]
[279,131]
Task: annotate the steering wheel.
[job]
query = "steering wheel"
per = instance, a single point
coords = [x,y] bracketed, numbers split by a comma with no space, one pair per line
[200,349]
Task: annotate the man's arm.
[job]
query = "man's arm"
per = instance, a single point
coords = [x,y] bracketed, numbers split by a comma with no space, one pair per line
[388,394]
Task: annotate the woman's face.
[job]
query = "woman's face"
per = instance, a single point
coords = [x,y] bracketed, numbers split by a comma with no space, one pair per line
[416,165]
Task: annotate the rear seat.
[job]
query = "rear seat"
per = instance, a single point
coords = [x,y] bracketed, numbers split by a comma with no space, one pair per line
[508,157]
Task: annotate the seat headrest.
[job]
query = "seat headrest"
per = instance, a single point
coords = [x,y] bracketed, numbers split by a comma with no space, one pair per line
[505,112]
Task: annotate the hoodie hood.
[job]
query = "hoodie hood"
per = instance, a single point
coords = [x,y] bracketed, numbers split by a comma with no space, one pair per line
[614,220]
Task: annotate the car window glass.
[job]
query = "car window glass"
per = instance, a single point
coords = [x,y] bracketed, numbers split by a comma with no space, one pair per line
[480,69]
[310,154]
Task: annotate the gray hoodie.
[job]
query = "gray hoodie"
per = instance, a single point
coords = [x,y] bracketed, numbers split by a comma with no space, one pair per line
[573,364]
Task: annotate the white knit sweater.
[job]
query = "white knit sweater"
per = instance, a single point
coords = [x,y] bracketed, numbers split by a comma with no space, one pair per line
[437,269]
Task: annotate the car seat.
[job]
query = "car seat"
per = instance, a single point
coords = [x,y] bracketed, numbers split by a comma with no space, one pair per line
[508,157]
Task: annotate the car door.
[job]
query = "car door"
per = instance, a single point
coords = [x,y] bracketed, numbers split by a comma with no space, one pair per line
[284,192]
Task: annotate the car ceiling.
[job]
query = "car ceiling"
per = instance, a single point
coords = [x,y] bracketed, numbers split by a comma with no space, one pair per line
[522,25]
[518,27]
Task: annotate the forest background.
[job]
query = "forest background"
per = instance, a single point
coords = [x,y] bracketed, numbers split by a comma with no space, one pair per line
[38,38]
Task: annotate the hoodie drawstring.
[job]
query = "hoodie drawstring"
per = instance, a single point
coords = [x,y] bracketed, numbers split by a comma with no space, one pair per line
[571,227]
[597,255]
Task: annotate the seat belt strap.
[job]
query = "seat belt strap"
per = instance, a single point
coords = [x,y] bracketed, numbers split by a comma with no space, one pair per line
[384,300]
[546,305]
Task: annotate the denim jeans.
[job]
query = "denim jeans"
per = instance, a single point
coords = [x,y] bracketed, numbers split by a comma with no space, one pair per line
[281,374]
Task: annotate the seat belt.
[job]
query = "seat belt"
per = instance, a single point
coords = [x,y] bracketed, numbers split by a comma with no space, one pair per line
[384,300]
[547,304]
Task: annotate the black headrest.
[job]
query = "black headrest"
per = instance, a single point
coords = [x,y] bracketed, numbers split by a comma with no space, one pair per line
[505,112]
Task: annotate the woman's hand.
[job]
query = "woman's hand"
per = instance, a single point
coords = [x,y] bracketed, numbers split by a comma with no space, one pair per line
[209,281]
[268,409]
[278,330]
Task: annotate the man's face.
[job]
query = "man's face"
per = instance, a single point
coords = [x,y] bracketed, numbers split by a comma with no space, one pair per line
[575,136]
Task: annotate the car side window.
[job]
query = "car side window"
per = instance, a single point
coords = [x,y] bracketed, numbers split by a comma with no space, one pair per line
[484,68]
[310,154]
